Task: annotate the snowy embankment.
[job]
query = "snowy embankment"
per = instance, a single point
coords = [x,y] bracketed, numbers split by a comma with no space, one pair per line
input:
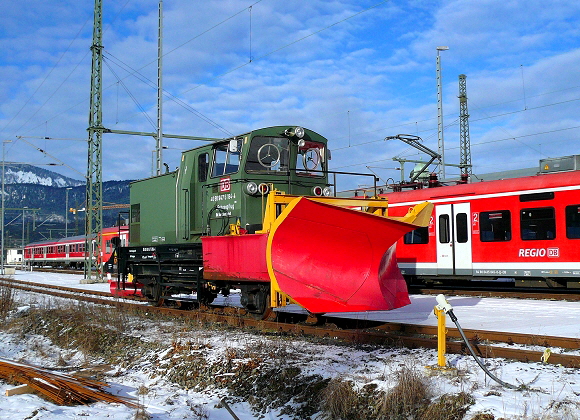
[183,370]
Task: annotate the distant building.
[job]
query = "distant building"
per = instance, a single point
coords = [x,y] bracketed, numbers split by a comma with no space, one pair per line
[14,256]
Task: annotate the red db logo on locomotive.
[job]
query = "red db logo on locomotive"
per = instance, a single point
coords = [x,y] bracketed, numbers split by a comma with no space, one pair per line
[225,184]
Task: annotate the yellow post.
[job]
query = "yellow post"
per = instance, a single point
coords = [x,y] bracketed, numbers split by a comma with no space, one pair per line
[441,337]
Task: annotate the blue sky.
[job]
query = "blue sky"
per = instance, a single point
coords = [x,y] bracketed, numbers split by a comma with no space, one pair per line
[352,75]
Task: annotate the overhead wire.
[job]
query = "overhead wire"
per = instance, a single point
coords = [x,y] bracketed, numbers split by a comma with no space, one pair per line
[473,120]
[174,98]
[251,58]
[62,83]
[183,104]
[292,43]
[289,44]
[130,94]
[136,72]
[43,81]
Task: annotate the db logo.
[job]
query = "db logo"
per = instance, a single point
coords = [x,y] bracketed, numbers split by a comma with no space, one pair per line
[553,252]
[225,184]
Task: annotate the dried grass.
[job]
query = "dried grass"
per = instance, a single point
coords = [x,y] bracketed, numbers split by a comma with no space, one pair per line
[339,400]
[6,300]
[408,398]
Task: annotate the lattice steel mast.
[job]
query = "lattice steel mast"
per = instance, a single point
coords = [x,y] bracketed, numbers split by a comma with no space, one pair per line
[94,192]
[464,141]
[440,140]
[159,137]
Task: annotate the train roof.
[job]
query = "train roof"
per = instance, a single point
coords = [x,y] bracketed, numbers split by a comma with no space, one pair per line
[483,188]
[68,239]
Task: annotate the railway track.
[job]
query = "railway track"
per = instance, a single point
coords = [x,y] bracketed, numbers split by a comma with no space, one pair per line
[479,291]
[516,346]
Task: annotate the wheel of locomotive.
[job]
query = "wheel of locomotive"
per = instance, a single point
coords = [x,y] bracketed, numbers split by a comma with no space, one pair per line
[256,300]
[152,292]
[205,297]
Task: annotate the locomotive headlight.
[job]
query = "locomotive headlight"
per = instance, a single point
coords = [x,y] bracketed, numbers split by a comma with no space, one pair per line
[298,132]
[251,188]
[326,191]
[317,191]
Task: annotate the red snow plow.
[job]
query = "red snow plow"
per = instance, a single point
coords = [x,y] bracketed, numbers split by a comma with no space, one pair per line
[327,256]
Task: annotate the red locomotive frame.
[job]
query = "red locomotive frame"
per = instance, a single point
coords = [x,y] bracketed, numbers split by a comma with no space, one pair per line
[526,229]
[70,252]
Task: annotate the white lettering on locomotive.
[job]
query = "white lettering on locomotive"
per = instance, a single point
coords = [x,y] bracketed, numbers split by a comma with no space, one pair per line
[539,252]
[223,197]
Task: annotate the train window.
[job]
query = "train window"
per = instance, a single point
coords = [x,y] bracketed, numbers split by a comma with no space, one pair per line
[495,226]
[270,154]
[444,236]
[226,159]
[537,196]
[135,213]
[461,227]
[310,158]
[573,222]
[538,224]
[202,167]
[417,236]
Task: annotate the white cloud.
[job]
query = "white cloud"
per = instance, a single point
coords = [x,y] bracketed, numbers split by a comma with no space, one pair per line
[370,76]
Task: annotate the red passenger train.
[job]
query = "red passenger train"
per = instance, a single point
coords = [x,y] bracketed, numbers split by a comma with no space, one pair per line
[70,252]
[525,230]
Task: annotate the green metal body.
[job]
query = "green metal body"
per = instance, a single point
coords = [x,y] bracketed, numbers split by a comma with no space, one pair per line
[209,191]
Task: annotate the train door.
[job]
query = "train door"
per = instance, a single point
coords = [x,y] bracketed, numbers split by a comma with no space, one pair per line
[193,174]
[454,239]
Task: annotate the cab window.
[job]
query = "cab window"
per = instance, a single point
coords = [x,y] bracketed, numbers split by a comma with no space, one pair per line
[202,166]
[226,158]
[311,159]
[268,154]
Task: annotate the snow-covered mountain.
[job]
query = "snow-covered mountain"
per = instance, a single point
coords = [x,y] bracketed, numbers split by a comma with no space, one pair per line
[43,197]
[16,173]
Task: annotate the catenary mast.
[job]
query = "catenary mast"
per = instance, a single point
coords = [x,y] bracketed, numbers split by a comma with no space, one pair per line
[464,141]
[94,192]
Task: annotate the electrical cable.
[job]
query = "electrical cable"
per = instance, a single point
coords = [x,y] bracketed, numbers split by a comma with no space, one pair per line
[63,82]
[479,362]
[174,98]
[44,80]
[290,44]
[446,307]
[130,94]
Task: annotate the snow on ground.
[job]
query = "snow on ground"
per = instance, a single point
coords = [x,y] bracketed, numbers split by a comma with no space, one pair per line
[553,392]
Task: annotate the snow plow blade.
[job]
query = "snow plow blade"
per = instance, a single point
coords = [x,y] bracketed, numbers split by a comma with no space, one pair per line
[328,258]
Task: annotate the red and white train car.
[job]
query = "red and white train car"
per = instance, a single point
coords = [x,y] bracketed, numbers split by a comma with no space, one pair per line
[70,252]
[526,229]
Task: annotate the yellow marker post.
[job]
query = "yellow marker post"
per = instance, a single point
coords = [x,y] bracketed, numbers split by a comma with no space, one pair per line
[441,337]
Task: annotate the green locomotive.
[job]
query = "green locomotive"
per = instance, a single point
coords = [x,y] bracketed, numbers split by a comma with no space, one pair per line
[207,227]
